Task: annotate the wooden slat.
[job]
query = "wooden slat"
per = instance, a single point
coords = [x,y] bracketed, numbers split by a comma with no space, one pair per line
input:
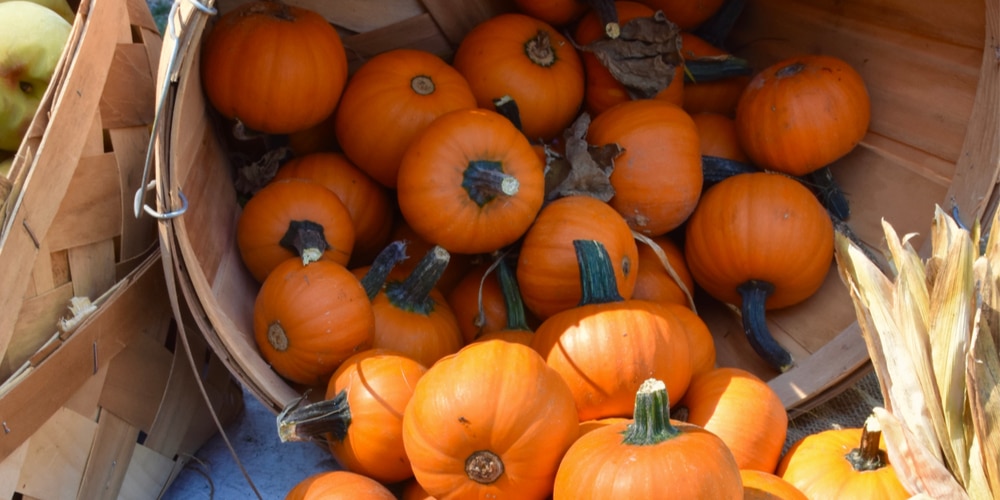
[91,210]
[57,456]
[127,98]
[138,235]
[93,268]
[114,443]
[137,378]
[417,32]
[37,322]
[10,471]
[148,473]
[458,17]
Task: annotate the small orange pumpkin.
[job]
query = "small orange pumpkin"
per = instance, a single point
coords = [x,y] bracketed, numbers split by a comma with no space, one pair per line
[389,100]
[275,67]
[717,134]
[760,485]
[701,343]
[686,14]
[654,282]
[339,485]
[715,96]
[803,113]
[529,60]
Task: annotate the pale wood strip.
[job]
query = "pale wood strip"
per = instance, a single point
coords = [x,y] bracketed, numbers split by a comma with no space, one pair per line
[148,474]
[93,269]
[458,17]
[417,32]
[138,235]
[127,99]
[37,323]
[91,209]
[137,378]
[109,457]
[10,471]
[58,450]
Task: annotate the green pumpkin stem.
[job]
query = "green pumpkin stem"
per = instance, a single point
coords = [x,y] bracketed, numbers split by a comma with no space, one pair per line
[507,107]
[597,276]
[715,168]
[868,456]
[516,318]
[306,239]
[607,13]
[715,68]
[485,180]
[651,417]
[755,294]
[414,293]
[322,419]
[386,260]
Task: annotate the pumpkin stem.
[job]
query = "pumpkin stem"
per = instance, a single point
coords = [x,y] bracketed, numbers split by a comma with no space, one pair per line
[597,275]
[754,294]
[715,68]
[715,29]
[384,263]
[306,239]
[484,180]
[539,49]
[651,417]
[608,15]
[790,70]
[516,319]
[507,107]
[298,422]
[715,169]
[868,456]
[414,293]
[422,85]
[484,467]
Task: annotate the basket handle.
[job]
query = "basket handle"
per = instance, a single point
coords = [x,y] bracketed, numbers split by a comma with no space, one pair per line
[170,78]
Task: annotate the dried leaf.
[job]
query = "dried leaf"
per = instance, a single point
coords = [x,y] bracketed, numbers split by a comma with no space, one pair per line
[587,169]
[983,381]
[917,467]
[644,57]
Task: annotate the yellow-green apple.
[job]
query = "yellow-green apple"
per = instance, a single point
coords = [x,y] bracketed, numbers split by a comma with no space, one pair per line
[31,41]
[60,7]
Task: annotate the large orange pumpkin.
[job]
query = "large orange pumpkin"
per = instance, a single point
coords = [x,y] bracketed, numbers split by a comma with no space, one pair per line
[470,182]
[658,178]
[547,269]
[492,421]
[527,59]
[389,100]
[275,67]
[803,113]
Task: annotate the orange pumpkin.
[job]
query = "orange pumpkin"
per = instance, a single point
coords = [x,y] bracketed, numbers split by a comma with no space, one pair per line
[275,67]
[715,96]
[470,182]
[658,178]
[654,282]
[389,100]
[760,485]
[701,343]
[308,319]
[554,12]
[339,485]
[478,303]
[649,457]
[803,113]
[492,421]
[760,241]
[686,14]
[293,218]
[547,269]
[518,325]
[368,203]
[416,246]
[413,491]
[529,60]
[642,340]
[717,134]
[842,463]
[602,89]
[743,411]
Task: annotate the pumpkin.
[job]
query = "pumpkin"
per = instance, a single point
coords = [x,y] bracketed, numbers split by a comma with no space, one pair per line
[547,269]
[803,113]
[389,100]
[470,182]
[712,96]
[654,280]
[413,491]
[554,12]
[717,135]
[658,178]
[649,457]
[743,411]
[701,343]
[842,463]
[686,14]
[275,67]
[308,319]
[591,425]
[529,60]
[316,139]
[412,317]
[642,340]
[416,245]
[368,203]
[478,303]
[602,89]
[339,485]
[293,218]
[760,485]
[491,421]
[516,328]
[760,241]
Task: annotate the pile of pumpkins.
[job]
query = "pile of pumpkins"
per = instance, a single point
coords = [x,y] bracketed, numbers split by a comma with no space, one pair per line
[487,264]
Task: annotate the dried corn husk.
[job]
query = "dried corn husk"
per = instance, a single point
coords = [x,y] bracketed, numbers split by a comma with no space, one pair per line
[931,329]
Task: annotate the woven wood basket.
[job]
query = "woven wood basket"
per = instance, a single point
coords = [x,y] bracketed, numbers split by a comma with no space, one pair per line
[98,397]
[934,138]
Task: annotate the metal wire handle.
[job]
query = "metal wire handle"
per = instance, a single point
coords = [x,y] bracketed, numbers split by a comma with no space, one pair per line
[171,77]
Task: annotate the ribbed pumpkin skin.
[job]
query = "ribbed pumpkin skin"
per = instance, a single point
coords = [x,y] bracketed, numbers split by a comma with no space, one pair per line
[437,205]
[424,337]
[653,282]
[604,351]
[496,396]
[371,208]
[276,75]
[743,411]
[494,60]
[658,178]
[694,464]
[717,134]
[816,465]
[760,485]
[324,312]
[547,269]
[798,121]
[266,217]
[339,485]
[464,300]
[378,385]
[388,101]
[701,343]
[761,226]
